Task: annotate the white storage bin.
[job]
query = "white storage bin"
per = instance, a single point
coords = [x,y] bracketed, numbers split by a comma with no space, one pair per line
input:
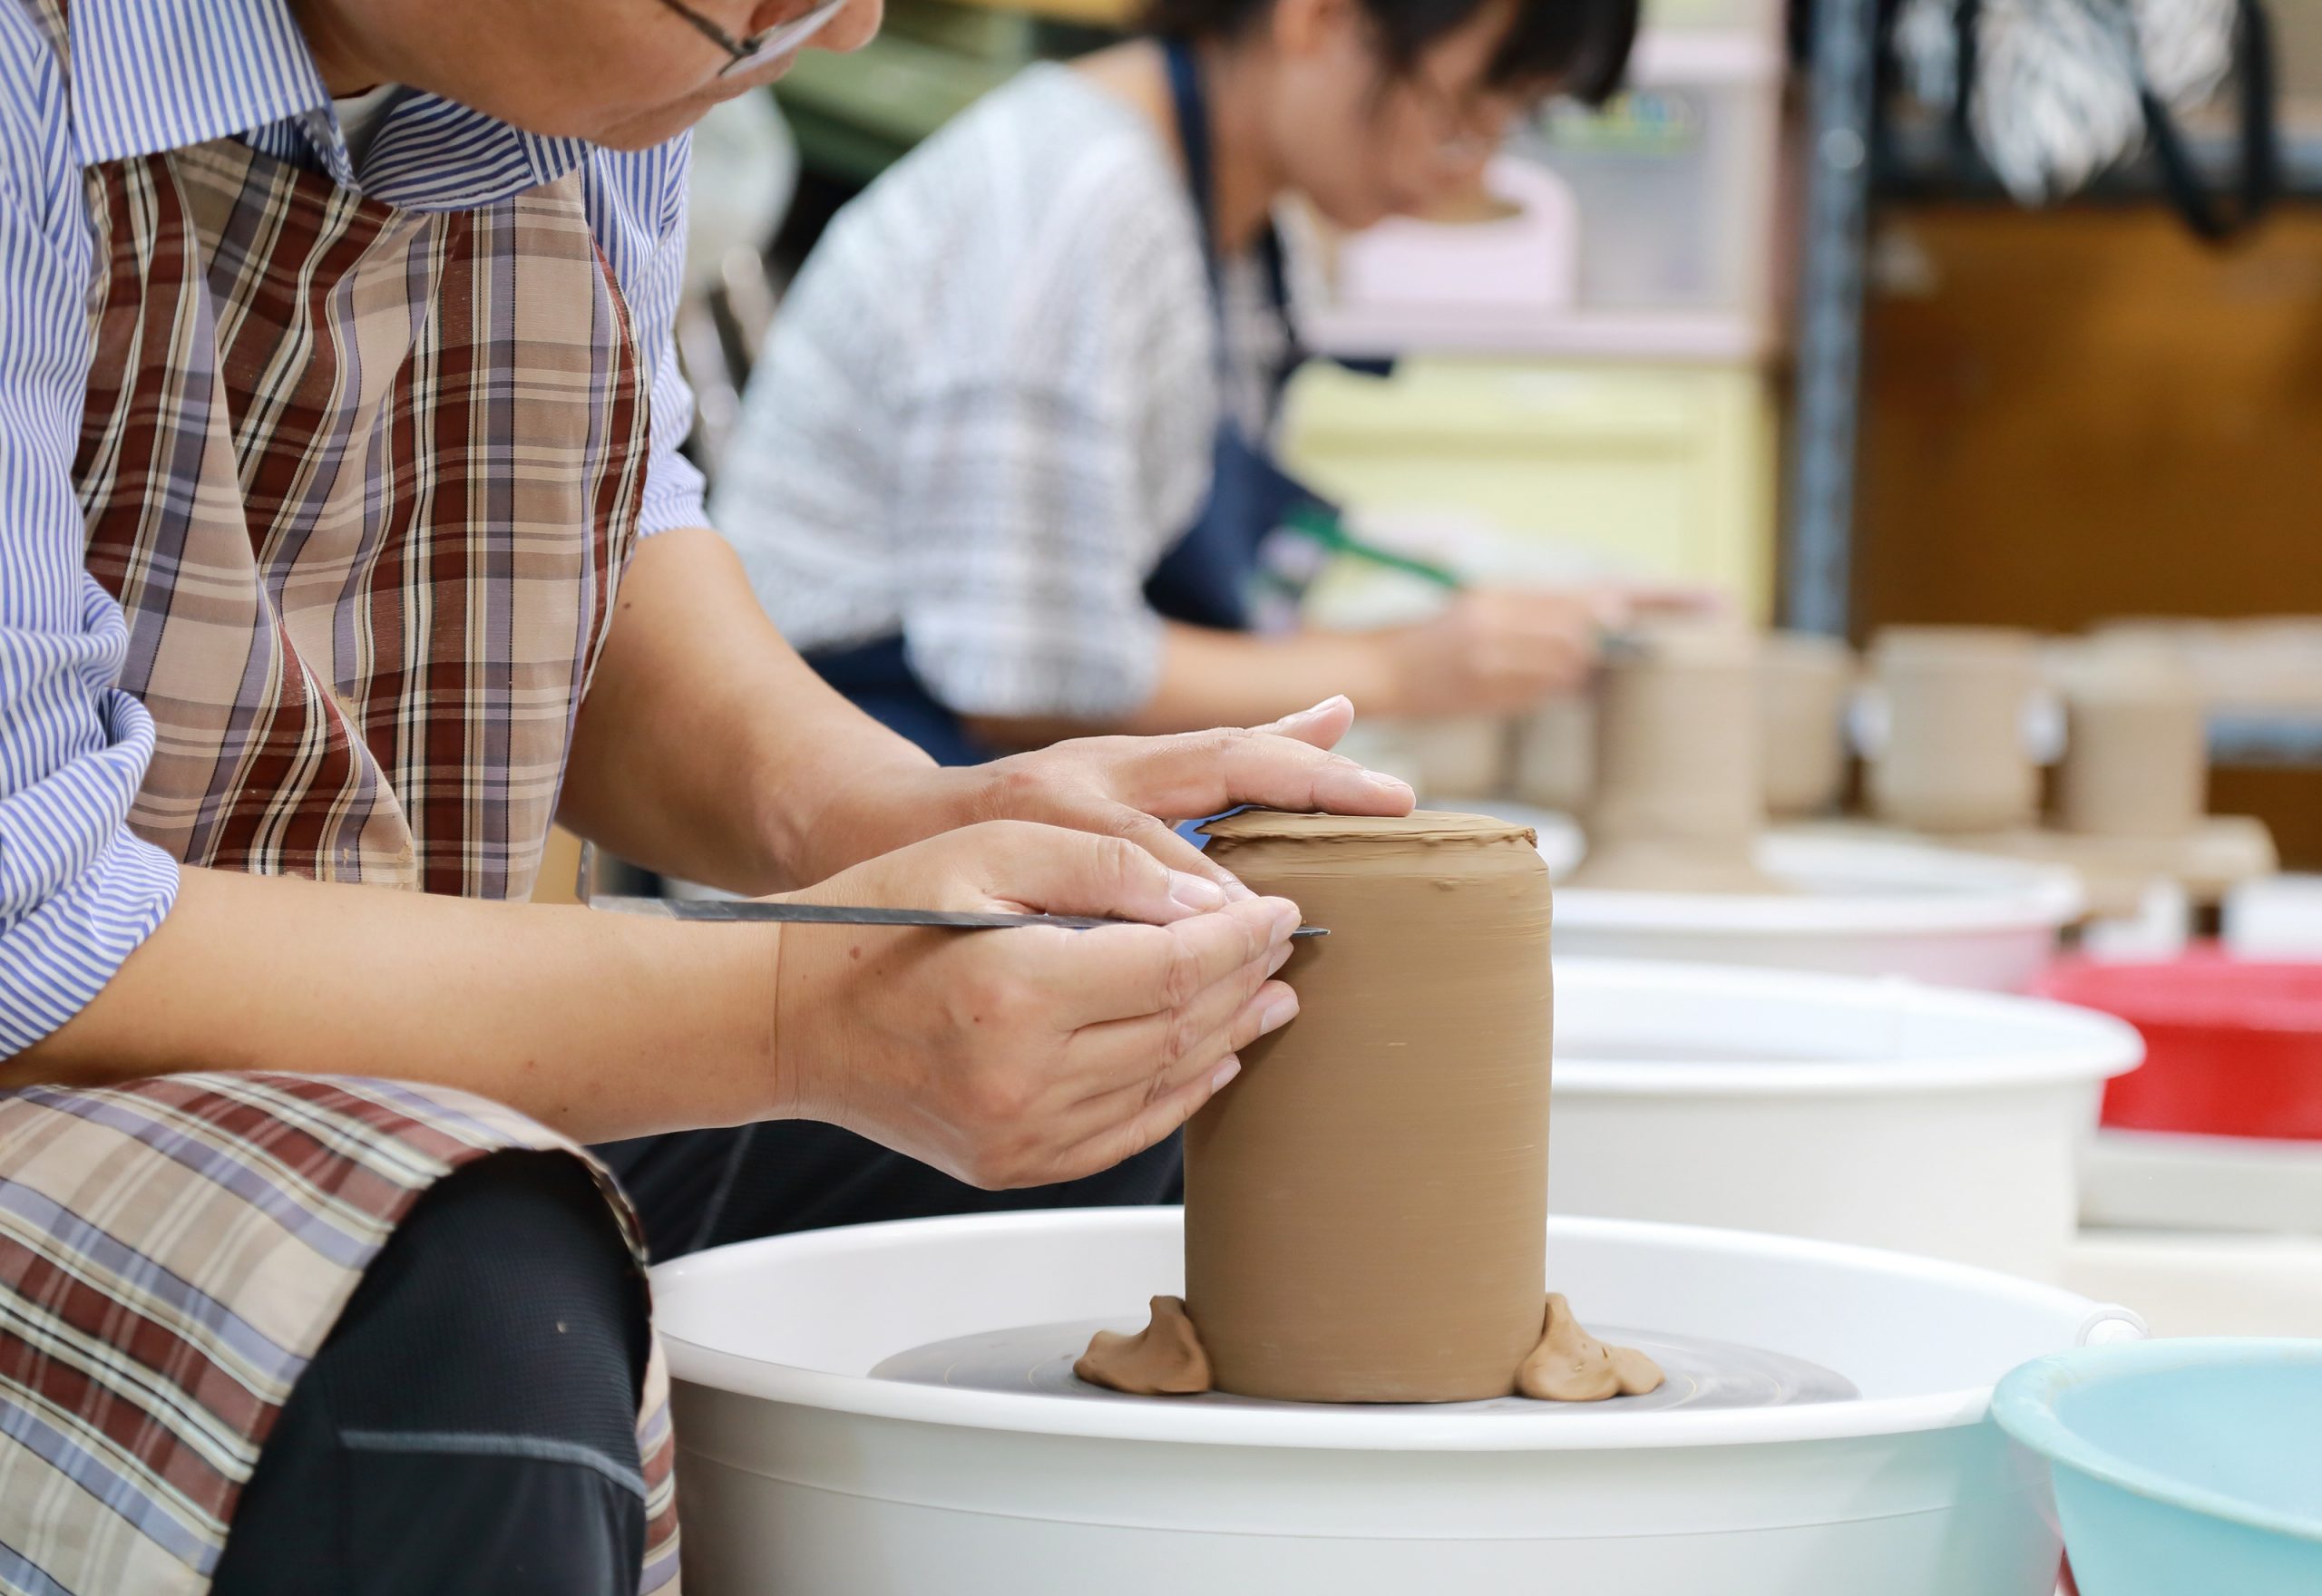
[1644,230]
[1674,181]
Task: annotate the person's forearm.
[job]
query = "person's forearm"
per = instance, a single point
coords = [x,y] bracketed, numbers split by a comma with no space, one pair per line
[598,1024]
[1212,678]
[707,748]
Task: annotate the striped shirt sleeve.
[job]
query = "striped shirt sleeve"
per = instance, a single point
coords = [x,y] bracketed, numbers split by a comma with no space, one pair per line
[649,187]
[78,892]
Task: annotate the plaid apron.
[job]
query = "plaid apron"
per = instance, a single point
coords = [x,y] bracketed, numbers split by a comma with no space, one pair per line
[364,481]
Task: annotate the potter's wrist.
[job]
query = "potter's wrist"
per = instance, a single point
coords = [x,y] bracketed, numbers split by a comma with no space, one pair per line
[687,1008]
[1401,663]
[1385,671]
[769,1035]
[894,796]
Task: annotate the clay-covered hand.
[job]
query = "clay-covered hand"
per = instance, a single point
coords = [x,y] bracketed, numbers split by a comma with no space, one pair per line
[1024,1056]
[1128,788]
[1498,650]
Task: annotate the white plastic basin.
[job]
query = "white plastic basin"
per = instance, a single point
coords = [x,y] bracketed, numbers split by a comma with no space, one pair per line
[801,1475]
[1885,1112]
[2168,1179]
[1860,906]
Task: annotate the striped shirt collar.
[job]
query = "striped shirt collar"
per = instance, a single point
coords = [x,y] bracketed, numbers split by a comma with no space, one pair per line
[148,78]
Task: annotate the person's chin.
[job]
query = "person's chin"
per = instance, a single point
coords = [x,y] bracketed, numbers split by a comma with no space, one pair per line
[653,127]
[1357,218]
[658,126]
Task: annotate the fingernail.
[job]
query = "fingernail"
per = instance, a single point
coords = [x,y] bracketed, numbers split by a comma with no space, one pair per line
[1286,919]
[1236,892]
[1310,712]
[1278,1014]
[1225,1072]
[1193,892]
[1279,957]
[1389,784]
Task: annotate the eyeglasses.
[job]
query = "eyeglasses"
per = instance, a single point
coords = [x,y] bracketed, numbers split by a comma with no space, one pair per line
[759,49]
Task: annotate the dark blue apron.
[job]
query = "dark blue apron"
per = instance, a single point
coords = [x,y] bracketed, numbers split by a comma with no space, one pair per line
[1210,576]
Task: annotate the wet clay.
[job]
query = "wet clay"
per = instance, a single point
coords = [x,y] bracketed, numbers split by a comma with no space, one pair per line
[1567,1365]
[1953,755]
[1570,1364]
[1163,1359]
[1679,799]
[1804,683]
[1366,1205]
[2136,745]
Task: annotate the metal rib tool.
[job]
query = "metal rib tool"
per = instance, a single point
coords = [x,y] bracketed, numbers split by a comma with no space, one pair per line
[858,915]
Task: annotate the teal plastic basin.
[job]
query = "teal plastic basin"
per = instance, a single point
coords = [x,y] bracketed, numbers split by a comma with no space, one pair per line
[2181,1468]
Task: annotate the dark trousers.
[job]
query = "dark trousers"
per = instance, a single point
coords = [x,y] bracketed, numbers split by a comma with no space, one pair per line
[697,1189]
[470,1425]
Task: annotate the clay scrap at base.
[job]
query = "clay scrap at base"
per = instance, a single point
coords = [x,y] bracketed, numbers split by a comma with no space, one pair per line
[1570,1364]
[1163,1359]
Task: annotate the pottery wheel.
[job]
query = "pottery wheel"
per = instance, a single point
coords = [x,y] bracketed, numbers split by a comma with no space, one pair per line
[1701,1373]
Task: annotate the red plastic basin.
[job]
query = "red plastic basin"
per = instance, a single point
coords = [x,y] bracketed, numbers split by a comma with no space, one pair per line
[2232,1048]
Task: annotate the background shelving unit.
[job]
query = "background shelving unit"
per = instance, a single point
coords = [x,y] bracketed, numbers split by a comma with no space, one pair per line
[1858,154]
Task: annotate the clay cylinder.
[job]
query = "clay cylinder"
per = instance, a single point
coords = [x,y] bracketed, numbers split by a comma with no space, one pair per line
[1679,799]
[1953,753]
[1366,1205]
[1804,683]
[2136,747]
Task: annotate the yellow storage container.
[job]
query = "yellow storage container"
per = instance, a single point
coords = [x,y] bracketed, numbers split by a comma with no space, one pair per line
[1667,471]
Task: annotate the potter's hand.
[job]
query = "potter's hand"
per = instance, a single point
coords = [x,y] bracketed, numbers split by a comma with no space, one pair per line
[1117,786]
[1495,650]
[1022,1057]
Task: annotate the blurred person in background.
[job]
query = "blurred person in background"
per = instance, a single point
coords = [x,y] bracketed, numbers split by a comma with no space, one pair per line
[1002,470]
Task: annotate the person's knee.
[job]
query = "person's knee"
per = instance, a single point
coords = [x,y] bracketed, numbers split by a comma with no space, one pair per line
[507,1296]
[483,1381]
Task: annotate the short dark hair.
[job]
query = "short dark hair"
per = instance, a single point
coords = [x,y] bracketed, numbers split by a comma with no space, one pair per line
[1581,47]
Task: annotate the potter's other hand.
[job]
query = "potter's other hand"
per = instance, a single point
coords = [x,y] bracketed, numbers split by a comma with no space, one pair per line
[1132,787]
[1494,651]
[1024,1057]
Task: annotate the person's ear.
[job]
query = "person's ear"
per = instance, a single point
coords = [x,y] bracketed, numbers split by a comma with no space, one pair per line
[1303,28]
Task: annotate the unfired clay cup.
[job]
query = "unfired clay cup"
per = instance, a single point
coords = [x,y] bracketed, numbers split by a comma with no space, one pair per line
[1954,755]
[2136,748]
[1805,683]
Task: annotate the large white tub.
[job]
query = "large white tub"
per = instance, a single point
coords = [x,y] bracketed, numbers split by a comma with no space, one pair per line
[1864,906]
[1878,1112]
[801,1475]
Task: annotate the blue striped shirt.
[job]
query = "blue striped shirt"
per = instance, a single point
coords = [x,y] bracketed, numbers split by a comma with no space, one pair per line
[78,892]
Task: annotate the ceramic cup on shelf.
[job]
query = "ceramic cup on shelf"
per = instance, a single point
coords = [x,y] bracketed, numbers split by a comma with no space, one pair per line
[1956,712]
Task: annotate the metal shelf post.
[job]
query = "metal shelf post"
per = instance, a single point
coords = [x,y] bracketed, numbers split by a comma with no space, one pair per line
[1818,563]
